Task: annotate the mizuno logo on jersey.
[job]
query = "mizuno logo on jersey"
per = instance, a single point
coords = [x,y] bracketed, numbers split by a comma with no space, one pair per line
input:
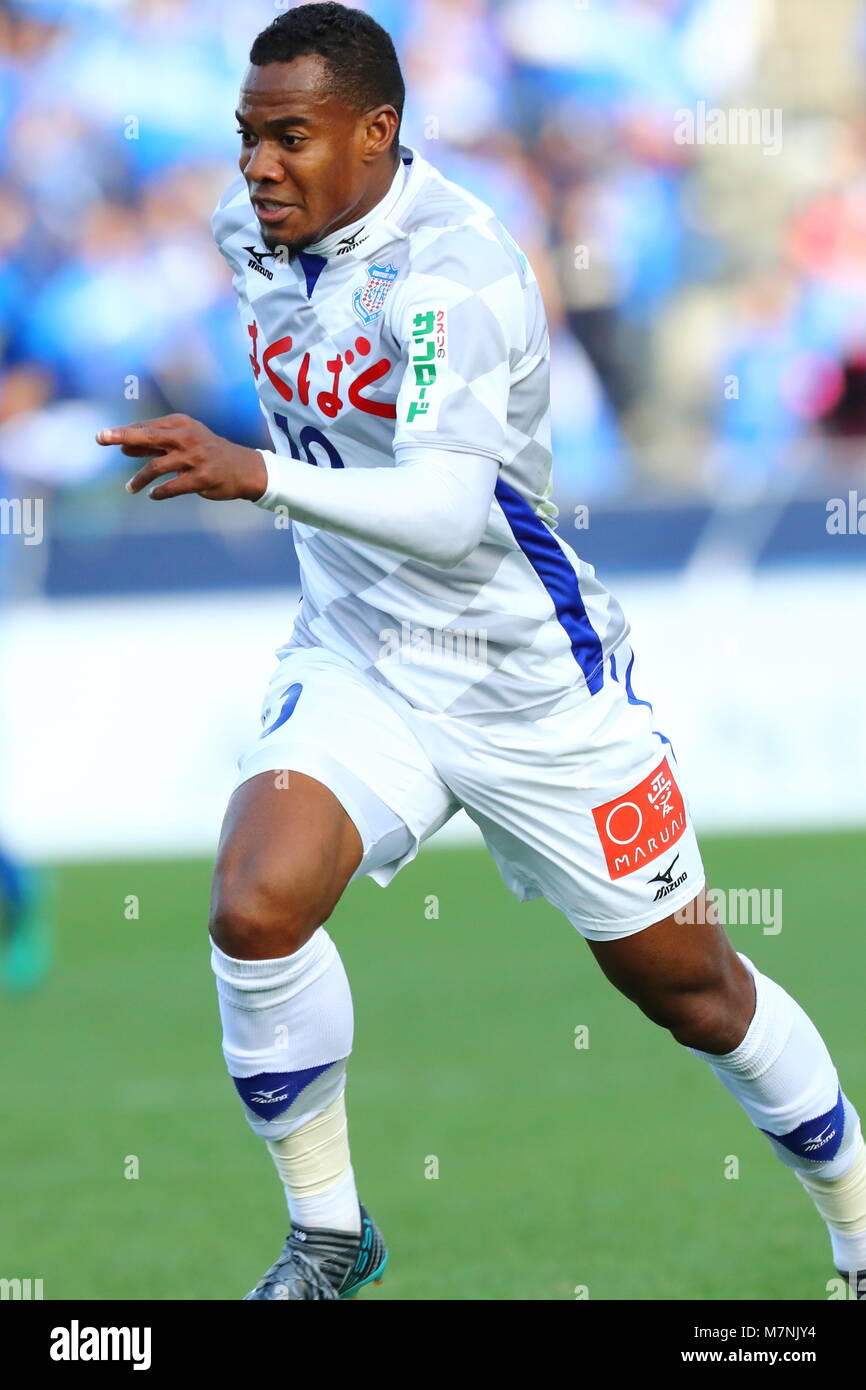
[255,261]
[350,242]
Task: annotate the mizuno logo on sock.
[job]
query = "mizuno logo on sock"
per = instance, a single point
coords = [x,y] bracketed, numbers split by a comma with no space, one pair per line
[269,1097]
[819,1145]
[269,1093]
[828,1133]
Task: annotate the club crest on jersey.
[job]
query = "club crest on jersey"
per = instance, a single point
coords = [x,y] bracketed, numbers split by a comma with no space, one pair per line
[369,301]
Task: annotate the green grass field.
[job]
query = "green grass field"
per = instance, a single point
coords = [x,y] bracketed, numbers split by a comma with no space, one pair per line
[557,1167]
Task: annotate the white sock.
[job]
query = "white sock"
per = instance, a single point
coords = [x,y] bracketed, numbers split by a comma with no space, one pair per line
[288,1027]
[785,1080]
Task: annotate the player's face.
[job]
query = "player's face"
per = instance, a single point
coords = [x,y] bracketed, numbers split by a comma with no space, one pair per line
[305,149]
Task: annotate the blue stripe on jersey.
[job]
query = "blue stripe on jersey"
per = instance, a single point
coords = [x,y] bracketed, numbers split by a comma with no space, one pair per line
[553,568]
[312,267]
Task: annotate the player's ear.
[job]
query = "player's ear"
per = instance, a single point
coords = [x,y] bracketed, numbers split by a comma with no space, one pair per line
[380,127]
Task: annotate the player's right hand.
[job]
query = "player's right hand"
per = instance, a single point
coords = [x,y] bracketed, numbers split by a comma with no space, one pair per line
[202,461]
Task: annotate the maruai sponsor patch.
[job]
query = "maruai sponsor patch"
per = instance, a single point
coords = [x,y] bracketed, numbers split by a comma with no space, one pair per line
[642,823]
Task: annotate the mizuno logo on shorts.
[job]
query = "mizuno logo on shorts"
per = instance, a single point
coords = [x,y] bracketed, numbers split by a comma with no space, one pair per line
[666,881]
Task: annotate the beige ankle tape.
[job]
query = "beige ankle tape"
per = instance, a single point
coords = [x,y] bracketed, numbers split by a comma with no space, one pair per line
[842,1201]
[314,1157]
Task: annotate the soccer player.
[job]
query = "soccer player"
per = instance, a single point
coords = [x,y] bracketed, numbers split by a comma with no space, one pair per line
[450,649]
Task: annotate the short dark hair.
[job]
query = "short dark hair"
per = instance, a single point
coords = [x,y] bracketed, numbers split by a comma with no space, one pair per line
[359,53]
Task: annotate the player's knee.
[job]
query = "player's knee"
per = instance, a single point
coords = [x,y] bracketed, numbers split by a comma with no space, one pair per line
[702,1021]
[706,1003]
[712,1018]
[257,917]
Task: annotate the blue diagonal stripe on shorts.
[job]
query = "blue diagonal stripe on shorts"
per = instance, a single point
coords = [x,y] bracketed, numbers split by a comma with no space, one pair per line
[633,699]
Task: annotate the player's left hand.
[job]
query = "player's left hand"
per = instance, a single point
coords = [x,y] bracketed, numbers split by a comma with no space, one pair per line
[203,461]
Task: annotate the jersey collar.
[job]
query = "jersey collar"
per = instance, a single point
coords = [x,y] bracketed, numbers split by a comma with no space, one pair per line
[379,226]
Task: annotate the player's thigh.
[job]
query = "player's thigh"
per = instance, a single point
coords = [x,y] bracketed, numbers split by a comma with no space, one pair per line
[583,807]
[335,786]
[287,851]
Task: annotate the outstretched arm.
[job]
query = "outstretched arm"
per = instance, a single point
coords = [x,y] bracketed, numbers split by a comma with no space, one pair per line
[433,505]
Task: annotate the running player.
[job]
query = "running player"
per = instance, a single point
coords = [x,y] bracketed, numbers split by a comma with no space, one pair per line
[450,649]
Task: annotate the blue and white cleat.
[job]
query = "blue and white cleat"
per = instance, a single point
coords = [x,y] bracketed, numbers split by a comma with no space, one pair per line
[25,937]
[317,1263]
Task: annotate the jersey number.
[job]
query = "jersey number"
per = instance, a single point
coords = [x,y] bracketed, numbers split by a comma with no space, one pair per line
[308,438]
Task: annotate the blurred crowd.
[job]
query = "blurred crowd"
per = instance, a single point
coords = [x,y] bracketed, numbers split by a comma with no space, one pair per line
[706,300]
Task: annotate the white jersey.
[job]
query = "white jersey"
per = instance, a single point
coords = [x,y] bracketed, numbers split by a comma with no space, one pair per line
[423,324]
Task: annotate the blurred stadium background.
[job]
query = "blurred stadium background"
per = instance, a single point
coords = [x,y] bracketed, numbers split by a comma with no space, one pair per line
[707,304]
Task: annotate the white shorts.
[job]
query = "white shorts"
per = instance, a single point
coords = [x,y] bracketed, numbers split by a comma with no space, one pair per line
[582,807]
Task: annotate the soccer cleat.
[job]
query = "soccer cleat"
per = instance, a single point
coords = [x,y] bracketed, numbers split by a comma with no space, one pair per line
[25,942]
[317,1263]
[856,1283]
